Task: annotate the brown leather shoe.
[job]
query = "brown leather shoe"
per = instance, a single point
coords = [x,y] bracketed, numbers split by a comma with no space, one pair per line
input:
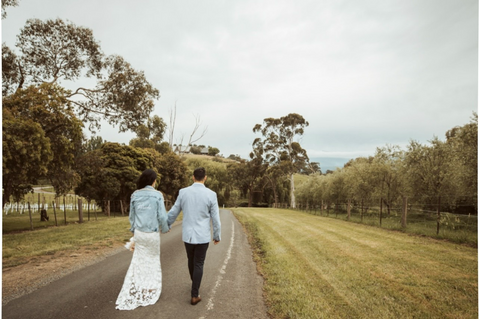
[195,300]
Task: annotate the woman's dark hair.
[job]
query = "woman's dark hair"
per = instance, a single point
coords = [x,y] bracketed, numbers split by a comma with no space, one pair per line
[199,174]
[147,178]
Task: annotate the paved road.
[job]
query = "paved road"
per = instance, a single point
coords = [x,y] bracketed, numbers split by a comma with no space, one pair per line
[231,287]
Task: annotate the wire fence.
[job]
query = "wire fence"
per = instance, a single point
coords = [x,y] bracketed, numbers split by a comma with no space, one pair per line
[457,227]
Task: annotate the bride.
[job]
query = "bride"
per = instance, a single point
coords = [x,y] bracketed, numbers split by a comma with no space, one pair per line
[143,282]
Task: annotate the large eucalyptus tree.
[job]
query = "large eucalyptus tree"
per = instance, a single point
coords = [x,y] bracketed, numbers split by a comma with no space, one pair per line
[279,146]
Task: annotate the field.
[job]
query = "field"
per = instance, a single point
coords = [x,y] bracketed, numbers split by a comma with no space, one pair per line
[318,267]
[460,229]
[19,247]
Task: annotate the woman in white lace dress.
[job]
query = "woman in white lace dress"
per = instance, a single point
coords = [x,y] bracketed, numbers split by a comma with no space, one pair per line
[143,282]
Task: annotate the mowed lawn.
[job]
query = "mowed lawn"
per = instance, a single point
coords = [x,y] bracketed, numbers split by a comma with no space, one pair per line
[317,267]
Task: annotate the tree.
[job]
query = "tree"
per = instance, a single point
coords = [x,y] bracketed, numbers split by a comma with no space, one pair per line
[150,135]
[52,50]
[247,176]
[173,173]
[26,154]
[213,151]
[463,171]
[8,3]
[47,106]
[111,172]
[94,143]
[279,145]
[193,136]
[427,168]
[362,181]
[387,164]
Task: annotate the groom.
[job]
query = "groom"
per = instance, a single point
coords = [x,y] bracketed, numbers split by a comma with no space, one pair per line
[199,205]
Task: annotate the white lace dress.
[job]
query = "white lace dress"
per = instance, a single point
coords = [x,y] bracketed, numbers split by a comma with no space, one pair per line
[143,282]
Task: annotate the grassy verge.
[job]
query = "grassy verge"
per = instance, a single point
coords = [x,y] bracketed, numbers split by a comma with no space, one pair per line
[317,267]
[460,229]
[20,246]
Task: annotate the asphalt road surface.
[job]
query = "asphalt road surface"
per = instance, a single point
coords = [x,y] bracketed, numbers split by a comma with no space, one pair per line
[231,287]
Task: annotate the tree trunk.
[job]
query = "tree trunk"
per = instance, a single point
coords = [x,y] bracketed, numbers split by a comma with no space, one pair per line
[438,215]
[388,207]
[250,197]
[404,212]
[361,212]
[348,208]
[80,211]
[30,214]
[121,207]
[381,207]
[55,212]
[292,192]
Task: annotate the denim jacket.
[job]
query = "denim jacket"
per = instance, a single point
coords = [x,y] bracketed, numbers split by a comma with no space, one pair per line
[147,211]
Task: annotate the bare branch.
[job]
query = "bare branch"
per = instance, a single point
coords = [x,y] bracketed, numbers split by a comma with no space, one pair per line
[197,126]
[171,128]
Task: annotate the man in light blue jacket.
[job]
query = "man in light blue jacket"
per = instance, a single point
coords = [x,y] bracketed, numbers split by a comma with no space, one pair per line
[199,205]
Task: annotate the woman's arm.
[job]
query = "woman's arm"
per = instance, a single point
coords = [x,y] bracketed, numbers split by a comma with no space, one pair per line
[131,215]
[162,216]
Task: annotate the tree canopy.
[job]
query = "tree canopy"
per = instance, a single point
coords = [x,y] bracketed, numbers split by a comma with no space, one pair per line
[53,51]
[279,147]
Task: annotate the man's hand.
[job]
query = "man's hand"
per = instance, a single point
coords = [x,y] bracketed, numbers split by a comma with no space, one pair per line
[216,242]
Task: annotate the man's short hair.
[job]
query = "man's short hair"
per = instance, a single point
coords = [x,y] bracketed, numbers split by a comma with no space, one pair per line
[199,174]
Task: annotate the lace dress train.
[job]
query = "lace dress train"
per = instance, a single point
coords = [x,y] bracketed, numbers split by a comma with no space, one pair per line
[143,281]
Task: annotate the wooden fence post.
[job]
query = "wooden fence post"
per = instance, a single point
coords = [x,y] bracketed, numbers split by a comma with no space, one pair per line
[438,215]
[381,206]
[88,209]
[80,211]
[348,208]
[30,214]
[404,212]
[361,212]
[54,213]
[64,209]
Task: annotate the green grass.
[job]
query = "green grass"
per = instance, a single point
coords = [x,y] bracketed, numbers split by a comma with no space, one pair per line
[19,246]
[19,243]
[15,221]
[318,267]
[455,228]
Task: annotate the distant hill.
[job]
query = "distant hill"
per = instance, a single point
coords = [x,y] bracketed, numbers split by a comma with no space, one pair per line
[330,163]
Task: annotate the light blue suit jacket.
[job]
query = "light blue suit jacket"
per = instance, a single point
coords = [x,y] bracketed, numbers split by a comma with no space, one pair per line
[199,205]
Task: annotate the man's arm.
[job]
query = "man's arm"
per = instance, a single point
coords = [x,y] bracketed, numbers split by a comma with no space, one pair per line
[175,210]
[215,215]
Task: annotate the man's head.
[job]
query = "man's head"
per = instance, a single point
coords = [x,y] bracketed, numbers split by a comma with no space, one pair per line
[199,174]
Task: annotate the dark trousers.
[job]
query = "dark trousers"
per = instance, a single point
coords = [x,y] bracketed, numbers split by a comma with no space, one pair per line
[196,258]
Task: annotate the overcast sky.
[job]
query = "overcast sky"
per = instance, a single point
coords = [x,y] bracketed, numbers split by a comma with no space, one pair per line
[363,73]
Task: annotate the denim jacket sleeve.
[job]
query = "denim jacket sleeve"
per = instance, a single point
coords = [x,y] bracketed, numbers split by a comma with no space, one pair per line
[162,216]
[131,215]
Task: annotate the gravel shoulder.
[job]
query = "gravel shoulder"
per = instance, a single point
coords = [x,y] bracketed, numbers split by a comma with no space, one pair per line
[42,270]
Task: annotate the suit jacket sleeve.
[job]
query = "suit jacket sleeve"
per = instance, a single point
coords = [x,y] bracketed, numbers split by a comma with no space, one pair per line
[175,210]
[215,215]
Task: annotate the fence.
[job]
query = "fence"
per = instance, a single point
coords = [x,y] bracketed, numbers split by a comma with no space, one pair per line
[408,218]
